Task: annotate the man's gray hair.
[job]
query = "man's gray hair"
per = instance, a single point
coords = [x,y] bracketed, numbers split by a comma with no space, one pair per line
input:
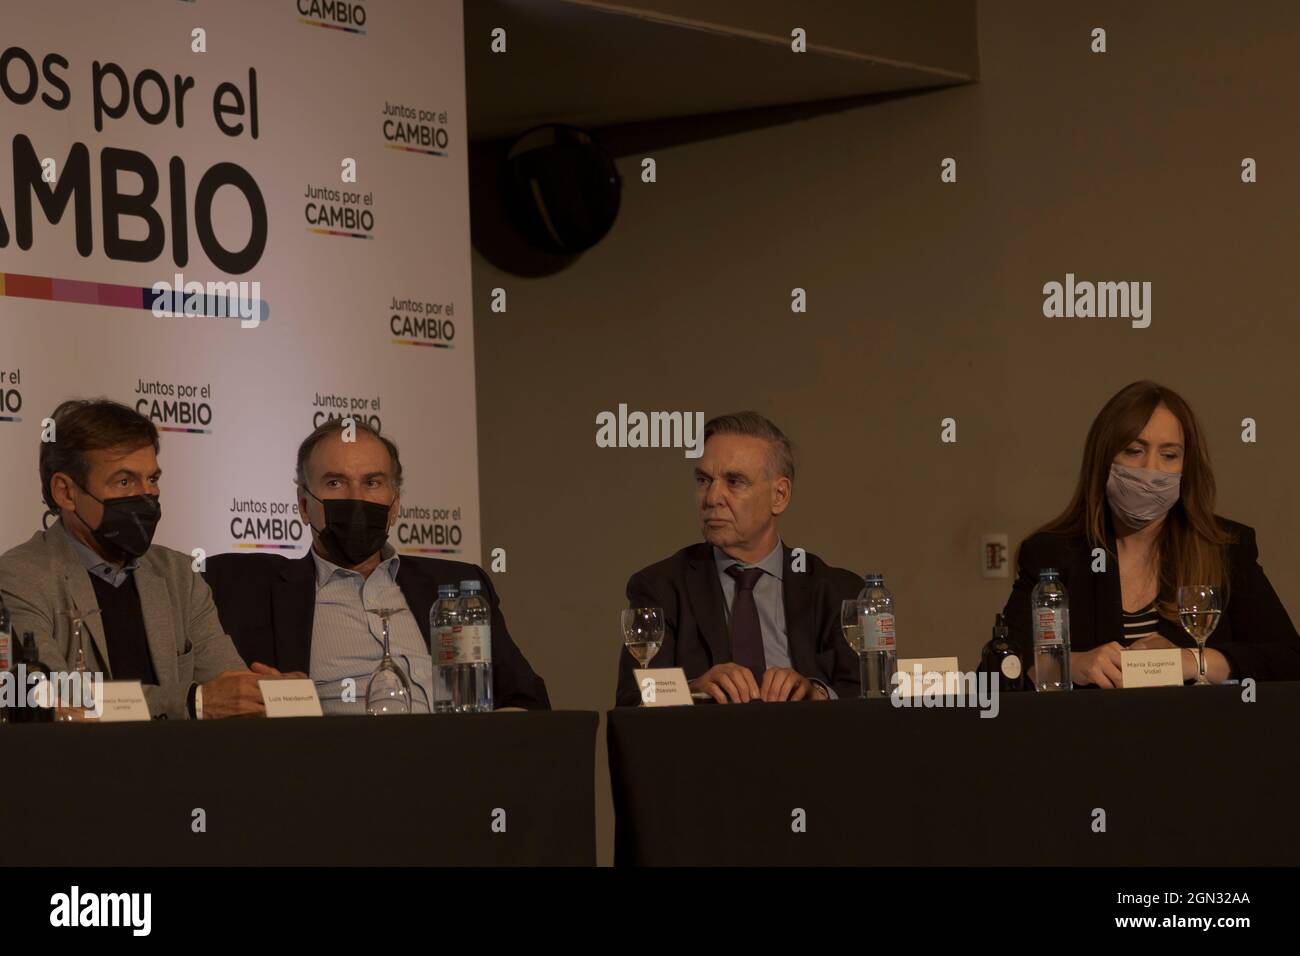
[329,427]
[780,457]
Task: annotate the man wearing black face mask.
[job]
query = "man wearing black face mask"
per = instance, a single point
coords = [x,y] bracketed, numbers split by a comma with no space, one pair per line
[147,615]
[315,613]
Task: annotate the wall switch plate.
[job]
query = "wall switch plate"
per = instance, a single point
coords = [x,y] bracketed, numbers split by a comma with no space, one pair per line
[994,559]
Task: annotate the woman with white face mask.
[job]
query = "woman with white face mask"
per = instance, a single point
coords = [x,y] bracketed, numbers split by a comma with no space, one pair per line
[1141,524]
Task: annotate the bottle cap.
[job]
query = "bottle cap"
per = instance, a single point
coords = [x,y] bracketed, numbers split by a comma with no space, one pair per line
[875,577]
[445,589]
[471,585]
[1047,573]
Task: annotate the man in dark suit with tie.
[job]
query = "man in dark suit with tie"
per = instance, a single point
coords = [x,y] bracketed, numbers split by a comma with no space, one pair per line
[318,610]
[745,616]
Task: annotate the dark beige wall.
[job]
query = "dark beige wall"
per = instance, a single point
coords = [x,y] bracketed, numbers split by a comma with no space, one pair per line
[924,301]
[933,33]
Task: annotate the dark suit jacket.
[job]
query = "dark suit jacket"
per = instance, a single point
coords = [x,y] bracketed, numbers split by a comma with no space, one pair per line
[1254,632]
[696,635]
[267,605]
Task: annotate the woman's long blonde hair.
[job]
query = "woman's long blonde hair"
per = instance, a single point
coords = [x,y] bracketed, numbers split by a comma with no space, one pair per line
[1191,547]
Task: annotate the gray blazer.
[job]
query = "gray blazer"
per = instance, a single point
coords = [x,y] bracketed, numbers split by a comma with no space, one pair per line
[44,576]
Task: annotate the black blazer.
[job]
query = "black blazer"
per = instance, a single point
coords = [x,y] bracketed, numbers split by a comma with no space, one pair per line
[1254,632]
[267,605]
[696,635]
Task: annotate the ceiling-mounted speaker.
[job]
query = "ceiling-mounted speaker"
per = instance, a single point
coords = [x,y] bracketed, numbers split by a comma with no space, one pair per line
[561,190]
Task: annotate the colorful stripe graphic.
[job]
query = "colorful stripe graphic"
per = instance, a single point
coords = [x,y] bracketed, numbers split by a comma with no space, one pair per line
[335,232]
[331,26]
[432,345]
[414,149]
[19,286]
[188,431]
[247,546]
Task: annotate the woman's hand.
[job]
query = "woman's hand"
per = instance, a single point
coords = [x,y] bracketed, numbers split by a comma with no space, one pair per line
[1100,666]
[1216,665]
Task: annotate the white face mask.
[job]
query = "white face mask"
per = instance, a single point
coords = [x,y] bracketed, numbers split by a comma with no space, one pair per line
[1140,496]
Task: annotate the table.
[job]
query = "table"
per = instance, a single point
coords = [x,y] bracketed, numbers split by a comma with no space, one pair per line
[1185,775]
[416,790]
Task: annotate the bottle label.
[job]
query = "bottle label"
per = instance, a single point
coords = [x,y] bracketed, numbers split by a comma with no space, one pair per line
[880,632]
[1011,666]
[464,644]
[1049,626]
[444,645]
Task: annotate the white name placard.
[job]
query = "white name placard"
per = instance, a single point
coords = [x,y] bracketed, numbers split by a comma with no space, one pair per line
[933,671]
[1152,667]
[290,697]
[122,700]
[664,687]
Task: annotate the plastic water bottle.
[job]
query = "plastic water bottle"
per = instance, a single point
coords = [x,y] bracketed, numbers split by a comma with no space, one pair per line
[1049,607]
[442,621]
[472,664]
[878,650]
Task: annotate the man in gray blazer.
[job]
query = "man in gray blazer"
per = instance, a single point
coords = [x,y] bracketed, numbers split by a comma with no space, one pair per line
[147,614]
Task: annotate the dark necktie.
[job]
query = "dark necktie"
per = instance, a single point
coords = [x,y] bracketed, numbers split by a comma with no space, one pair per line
[746,632]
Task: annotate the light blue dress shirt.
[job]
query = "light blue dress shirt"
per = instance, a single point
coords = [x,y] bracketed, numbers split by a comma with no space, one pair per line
[769,598]
[347,640]
[104,570]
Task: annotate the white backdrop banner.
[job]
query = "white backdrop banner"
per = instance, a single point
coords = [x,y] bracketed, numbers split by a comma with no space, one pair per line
[240,217]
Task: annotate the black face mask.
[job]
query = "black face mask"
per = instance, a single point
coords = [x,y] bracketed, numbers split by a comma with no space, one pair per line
[354,529]
[128,524]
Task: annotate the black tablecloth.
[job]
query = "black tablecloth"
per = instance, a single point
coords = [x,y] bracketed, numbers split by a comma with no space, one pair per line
[302,791]
[1185,775]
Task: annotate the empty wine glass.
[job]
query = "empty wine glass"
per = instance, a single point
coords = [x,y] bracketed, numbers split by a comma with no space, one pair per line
[643,632]
[851,624]
[81,681]
[1198,610]
[389,689]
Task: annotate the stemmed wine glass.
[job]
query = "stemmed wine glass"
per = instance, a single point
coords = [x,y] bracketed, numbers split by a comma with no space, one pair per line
[643,632]
[851,624]
[1198,610]
[389,689]
[82,681]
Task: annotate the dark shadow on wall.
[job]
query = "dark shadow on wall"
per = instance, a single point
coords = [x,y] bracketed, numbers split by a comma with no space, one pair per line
[501,244]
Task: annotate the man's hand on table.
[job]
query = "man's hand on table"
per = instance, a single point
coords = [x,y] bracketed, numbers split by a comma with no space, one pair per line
[732,683]
[236,694]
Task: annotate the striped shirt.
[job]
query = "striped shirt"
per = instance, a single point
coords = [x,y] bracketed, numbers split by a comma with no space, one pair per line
[1140,623]
[347,640]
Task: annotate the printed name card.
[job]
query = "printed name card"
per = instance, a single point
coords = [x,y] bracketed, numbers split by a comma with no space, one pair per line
[933,671]
[290,697]
[664,687]
[1153,667]
[122,700]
